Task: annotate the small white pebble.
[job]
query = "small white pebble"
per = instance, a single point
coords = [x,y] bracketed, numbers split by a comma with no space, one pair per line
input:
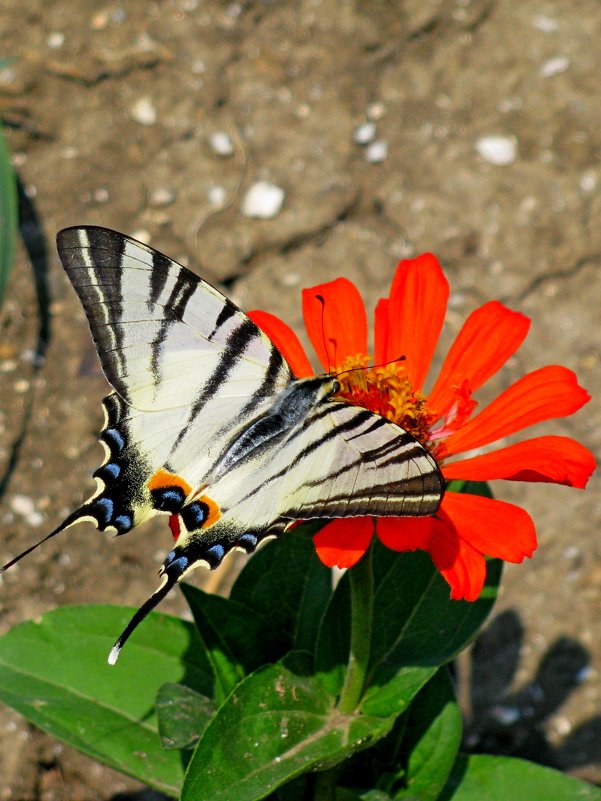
[142,235]
[23,506]
[101,195]
[375,111]
[562,726]
[100,20]
[505,715]
[554,66]
[217,196]
[499,150]
[70,152]
[163,196]
[364,133]
[377,152]
[263,200]
[588,181]
[55,40]
[144,111]
[21,386]
[221,143]
[584,674]
[545,24]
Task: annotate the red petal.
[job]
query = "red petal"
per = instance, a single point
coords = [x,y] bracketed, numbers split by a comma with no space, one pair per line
[338,326]
[381,331]
[560,460]
[461,565]
[547,393]
[404,533]
[494,528]
[457,561]
[418,302]
[285,340]
[341,543]
[490,335]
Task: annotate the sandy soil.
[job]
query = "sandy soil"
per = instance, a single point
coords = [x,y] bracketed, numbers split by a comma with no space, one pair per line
[111,110]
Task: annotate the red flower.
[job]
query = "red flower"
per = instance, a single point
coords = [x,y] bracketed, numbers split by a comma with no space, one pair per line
[408,323]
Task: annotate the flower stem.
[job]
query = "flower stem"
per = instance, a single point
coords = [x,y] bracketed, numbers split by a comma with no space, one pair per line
[362,600]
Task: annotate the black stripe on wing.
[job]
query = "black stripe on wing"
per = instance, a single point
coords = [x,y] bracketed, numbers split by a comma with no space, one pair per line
[174,310]
[93,260]
[237,343]
[161,265]
[355,422]
[417,495]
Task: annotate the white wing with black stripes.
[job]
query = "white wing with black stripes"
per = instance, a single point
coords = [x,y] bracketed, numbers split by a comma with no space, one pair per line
[206,422]
[189,370]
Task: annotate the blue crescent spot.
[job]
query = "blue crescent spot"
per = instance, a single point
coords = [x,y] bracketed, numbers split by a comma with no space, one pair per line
[248,541]
[104,506]
[172,560]
[194,515]
[123,523]
[114,438]
[217,551]
[112,468]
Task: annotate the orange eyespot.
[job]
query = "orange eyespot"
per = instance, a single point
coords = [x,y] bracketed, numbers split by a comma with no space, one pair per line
[214,512]
[164,478]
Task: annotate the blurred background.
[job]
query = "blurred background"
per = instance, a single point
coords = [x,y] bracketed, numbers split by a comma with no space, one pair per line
[269,146]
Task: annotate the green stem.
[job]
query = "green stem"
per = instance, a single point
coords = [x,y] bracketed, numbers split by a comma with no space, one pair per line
[362,601]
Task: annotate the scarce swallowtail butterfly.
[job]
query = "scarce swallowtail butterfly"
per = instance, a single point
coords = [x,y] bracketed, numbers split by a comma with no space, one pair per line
[206,421]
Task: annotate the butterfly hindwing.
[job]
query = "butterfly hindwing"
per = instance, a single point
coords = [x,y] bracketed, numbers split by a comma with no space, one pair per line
[338,461]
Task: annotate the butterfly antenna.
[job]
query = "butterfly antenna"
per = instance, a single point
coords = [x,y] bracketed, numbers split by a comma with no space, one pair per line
[321,299]
[169,581]
[78,514]
[372,366]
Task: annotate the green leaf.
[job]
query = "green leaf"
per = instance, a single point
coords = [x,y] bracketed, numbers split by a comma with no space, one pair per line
[416,624]
[274,726]
[416,628]
[432,736]
[492,778]
[8,215]
[232,637]
[54,672]
[286,584]
[333,643]
[183,715]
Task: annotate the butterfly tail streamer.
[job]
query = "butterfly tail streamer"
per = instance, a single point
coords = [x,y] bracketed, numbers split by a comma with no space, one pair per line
[169,581]
[79,515]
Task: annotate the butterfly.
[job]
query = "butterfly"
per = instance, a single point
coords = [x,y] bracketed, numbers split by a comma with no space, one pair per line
[207,423]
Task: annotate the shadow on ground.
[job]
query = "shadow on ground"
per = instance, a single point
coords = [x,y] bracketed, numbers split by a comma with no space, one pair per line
[515,722]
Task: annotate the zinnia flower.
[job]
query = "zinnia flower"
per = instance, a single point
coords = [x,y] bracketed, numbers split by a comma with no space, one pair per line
[408,323]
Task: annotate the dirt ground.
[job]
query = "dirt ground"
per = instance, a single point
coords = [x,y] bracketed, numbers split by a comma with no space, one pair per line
[485,121]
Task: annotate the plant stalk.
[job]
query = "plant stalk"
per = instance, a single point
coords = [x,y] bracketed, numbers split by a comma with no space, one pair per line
[362,601]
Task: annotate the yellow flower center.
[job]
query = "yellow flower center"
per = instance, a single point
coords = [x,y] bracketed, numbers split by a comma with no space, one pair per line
[387,391]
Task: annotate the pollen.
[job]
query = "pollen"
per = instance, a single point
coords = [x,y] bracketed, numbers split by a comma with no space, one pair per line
[387,391]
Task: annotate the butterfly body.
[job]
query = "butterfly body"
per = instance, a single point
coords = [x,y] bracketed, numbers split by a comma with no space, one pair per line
[208,423]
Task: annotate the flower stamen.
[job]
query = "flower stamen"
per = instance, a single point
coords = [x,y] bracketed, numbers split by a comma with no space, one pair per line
[387,391]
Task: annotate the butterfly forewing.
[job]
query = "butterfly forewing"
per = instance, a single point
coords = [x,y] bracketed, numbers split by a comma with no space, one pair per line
[189,368]
[165,337]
